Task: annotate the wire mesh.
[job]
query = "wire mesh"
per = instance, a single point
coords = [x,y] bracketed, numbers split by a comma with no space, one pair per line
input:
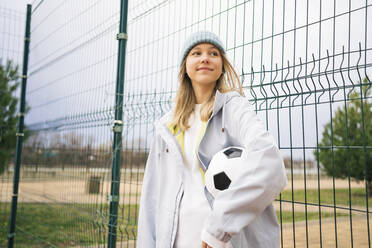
[11,50]
[305,65]
[67,159]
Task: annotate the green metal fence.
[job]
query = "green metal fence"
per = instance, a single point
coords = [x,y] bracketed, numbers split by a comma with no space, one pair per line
[11,44]
[305,65]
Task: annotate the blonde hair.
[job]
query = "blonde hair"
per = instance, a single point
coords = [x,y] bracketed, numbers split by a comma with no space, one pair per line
[186,100]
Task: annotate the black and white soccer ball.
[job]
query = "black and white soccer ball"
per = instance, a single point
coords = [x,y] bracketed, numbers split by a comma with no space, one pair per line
[224,168]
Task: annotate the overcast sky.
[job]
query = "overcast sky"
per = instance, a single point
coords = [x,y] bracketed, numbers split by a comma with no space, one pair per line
[19,5]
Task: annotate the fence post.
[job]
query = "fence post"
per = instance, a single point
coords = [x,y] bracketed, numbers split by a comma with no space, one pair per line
[118,125]
[20,134]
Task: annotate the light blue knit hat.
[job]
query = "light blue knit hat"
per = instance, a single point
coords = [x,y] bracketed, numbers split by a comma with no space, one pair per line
[197,38]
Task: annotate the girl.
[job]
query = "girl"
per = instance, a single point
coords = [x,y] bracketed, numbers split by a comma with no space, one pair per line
[176,209]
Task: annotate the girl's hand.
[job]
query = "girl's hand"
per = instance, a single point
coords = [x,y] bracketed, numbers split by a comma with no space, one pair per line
[205,245]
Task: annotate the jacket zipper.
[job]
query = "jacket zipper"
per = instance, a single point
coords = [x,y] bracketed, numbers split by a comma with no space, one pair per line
[180,191]
[175,216]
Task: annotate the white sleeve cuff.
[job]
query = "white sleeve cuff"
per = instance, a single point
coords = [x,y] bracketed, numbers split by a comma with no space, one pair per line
[213,241]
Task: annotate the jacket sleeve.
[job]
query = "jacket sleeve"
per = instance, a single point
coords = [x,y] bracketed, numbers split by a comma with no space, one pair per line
[147,211]
[258,183]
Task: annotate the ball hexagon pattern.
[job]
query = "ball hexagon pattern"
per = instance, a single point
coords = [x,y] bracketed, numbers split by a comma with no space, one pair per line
[221,181]
[223,168]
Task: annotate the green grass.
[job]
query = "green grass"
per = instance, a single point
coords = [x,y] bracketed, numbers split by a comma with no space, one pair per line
[62,225]
[68,225]
[300,216]
[59,225]
[358,196]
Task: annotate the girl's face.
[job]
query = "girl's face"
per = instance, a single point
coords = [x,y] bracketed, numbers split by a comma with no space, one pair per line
[204,65]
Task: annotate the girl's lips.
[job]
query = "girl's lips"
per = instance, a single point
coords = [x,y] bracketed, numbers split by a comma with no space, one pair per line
[204,69]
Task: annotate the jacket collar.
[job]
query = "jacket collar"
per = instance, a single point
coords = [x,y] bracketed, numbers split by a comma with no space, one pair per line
[219,102]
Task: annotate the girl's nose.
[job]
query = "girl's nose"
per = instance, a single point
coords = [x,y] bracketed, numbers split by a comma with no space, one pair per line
[204,58]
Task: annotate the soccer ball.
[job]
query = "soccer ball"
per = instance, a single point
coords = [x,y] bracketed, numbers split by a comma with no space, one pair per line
[223,169]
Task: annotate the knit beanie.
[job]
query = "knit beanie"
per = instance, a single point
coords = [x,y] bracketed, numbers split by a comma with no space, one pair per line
[197,38]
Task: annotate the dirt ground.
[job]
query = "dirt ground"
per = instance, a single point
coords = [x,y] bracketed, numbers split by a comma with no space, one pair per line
[68,192]
[75,190]
[310,236]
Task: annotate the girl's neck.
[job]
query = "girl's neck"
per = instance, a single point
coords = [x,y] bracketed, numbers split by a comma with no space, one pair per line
[202,94]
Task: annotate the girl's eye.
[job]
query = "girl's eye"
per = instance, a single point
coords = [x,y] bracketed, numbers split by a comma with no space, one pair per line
[198,53]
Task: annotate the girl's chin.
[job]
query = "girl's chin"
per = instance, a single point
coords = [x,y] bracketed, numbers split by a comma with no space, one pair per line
[205,80]
[205,84]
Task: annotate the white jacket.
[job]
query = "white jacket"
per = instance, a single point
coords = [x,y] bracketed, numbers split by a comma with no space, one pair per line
[243,213]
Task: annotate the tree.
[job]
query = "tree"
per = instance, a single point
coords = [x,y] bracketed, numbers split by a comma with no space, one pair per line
[346,132]
[8,106]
